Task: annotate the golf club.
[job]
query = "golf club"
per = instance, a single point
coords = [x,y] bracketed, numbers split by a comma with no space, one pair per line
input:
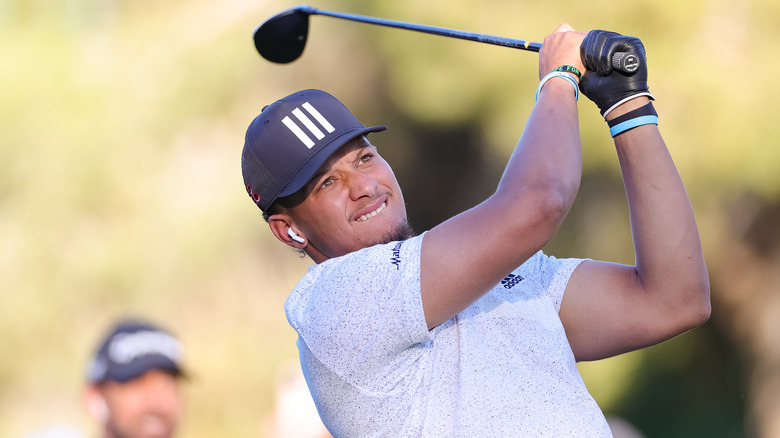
[282,38]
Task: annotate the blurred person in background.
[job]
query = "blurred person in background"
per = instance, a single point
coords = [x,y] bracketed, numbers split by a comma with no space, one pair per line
[134,382]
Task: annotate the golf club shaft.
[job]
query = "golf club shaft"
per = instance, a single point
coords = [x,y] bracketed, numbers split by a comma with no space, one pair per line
[471,36]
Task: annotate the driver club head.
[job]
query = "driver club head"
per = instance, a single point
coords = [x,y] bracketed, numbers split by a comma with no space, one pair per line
[282,38]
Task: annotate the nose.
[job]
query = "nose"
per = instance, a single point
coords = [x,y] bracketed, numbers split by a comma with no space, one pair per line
[161,393]
[361,184]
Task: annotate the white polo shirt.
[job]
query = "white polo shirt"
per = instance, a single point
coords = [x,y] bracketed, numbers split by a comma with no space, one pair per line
[501,368]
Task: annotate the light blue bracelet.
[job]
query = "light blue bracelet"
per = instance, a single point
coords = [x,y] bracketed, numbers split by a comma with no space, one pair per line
[633,123]
[559,74]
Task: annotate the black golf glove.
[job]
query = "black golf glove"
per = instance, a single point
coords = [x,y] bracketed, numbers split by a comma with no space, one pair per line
[604,85]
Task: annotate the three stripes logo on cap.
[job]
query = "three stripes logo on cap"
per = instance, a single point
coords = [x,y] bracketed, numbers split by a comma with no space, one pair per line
[309,124]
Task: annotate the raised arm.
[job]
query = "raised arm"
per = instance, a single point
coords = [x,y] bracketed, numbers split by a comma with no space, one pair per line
[608,308]
[465,256]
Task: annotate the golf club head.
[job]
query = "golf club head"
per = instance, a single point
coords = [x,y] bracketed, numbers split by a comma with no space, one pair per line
[282,38]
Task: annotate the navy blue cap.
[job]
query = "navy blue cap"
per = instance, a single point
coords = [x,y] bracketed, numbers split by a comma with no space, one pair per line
[133,348]
[291,139]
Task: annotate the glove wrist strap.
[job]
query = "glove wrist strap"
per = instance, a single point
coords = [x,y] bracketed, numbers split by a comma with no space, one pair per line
[622,101]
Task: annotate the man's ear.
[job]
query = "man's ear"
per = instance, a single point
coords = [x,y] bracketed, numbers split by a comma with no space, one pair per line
[282,227]
[96,404]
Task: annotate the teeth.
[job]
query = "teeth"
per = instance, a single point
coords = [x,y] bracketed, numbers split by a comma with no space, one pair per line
[373,213]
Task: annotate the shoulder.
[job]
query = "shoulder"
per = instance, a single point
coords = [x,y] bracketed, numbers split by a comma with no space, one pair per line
[389,256]
[549,268]
[379,268]
[551,274]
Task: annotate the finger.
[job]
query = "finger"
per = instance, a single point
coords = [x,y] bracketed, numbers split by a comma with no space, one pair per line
[564,27]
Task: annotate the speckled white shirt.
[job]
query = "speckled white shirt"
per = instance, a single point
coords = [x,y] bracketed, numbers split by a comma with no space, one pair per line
[501,368]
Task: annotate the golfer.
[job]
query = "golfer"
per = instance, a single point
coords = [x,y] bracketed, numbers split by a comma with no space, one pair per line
[468,329]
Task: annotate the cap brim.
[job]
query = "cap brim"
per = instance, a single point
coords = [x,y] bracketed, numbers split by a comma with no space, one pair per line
[309,168]
[138,368]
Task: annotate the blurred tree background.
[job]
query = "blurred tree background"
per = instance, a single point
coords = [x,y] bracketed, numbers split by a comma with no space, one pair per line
[121,126]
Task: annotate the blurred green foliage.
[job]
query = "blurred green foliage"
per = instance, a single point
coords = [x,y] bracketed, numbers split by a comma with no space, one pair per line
[121,124]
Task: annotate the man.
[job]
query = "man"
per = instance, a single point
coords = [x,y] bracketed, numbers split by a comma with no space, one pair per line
[469,329]
[133,382]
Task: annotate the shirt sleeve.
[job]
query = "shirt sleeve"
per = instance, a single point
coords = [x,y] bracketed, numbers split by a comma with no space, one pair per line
[554,274]
[361,314]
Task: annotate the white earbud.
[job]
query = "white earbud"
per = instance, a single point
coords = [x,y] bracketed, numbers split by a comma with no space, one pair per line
[294,236]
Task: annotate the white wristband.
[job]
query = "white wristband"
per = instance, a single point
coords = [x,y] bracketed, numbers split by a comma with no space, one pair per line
[562,75]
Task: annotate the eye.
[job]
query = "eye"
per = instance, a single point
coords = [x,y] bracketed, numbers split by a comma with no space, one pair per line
[366,157]
[326,183]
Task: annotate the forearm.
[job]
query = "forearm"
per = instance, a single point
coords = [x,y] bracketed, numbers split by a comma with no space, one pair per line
[548,156]
[669,260]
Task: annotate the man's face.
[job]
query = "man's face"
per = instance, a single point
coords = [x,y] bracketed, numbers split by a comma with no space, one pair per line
[353,202]
[146,407]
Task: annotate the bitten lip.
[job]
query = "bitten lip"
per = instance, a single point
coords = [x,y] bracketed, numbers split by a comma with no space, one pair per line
[372,210]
